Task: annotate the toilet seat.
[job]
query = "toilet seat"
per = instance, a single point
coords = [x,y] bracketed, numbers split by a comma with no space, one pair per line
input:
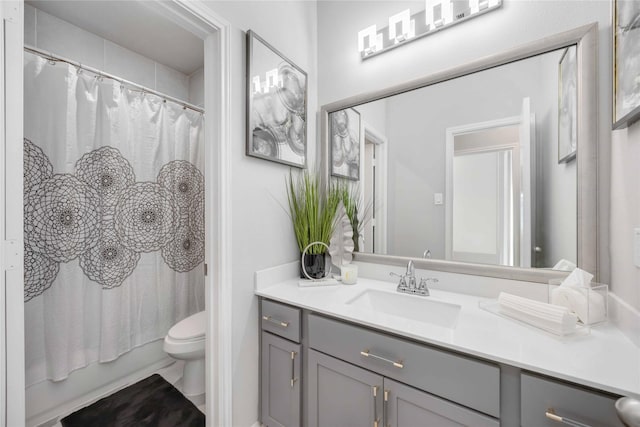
[191,328]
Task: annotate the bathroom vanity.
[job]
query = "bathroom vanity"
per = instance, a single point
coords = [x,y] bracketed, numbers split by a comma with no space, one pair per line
[328,359]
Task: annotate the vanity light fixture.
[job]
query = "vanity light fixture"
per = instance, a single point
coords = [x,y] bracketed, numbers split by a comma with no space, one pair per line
[437,13]
[407,27]
[369,41]
[404,27]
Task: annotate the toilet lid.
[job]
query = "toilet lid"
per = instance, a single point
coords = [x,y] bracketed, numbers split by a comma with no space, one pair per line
[189,328]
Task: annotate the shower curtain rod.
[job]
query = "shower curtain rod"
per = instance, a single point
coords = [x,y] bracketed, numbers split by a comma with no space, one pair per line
[139,88]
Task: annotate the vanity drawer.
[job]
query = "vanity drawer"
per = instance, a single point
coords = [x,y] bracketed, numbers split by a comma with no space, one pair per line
[538,395]
[472,383]
[280,319]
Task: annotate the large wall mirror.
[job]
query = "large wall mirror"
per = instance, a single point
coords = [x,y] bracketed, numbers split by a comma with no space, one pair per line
[488,168]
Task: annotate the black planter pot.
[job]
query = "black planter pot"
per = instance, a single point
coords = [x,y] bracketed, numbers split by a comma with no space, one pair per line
[314,264]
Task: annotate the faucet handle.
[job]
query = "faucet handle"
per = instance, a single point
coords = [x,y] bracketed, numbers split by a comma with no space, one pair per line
[399,276]
[422,288]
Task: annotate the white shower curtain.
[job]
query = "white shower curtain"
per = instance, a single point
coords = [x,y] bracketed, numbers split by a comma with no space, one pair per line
[114,218]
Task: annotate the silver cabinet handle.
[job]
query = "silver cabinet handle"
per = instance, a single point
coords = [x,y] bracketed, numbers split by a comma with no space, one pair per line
[275,321]
[376,420]
[551,414]
[385,415]
[293,369]
[367,353]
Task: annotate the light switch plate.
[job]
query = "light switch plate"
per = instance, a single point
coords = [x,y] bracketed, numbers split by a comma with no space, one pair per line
[636,247]
[438,198]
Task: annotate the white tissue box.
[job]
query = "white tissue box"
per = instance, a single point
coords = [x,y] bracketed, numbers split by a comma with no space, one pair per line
[590,303]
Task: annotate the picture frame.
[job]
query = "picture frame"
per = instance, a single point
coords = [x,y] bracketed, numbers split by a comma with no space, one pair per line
[567,105]
[345,154]
[276,105]
[626,63]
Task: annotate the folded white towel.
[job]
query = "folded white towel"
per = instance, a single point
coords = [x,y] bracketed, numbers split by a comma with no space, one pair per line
[549,317]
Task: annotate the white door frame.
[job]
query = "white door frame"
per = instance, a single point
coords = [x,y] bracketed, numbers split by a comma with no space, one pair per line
[11,212]
[449,153]
[196,17]
[381,163]
[219,361]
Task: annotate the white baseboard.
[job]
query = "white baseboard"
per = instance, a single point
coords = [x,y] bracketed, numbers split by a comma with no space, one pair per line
[256,424]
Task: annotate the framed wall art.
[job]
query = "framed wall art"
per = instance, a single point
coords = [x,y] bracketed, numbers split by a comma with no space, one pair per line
[344,129]
[567,106]
[626,63]
[276,105]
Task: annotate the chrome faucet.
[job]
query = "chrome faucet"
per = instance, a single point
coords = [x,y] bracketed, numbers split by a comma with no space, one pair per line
[408,284]
[411,274]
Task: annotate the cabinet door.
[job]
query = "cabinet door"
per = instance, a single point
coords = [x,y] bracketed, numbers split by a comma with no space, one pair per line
[341,394]
[280,382]
[405,406]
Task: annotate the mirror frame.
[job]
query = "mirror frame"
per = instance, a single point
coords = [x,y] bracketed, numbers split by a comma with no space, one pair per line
[586,39]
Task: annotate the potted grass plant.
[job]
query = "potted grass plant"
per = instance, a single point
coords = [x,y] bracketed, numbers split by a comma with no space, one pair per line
[313,215]
[358,215]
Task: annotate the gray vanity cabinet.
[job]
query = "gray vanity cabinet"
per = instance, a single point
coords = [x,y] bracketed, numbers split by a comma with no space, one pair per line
[405,406]
[280,371]
[541,396]
[356,376]
[341,394]
[281,365]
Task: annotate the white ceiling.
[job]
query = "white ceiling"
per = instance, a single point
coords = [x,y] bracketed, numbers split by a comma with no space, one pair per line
[134,25]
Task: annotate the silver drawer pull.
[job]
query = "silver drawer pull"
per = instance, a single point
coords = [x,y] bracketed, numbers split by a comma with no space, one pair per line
[366,353]
[551,414]
[275,321]
[293,368]
[376,420]
[385,410]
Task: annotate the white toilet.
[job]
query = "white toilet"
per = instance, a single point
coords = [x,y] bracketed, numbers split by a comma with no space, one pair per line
[185,341]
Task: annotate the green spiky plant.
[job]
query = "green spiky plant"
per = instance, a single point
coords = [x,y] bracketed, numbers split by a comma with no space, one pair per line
[358,215]
[312,211]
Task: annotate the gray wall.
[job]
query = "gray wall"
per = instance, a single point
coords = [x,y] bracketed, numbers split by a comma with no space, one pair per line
[261,229]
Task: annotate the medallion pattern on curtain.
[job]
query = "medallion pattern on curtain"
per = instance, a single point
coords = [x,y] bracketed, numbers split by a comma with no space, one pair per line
[101,215]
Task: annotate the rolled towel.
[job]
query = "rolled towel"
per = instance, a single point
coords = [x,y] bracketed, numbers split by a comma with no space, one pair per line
[552,318]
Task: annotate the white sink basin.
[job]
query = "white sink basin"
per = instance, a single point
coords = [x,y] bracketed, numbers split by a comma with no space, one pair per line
[421,309]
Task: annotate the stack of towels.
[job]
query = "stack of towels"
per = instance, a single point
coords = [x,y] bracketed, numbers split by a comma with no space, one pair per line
[553,318]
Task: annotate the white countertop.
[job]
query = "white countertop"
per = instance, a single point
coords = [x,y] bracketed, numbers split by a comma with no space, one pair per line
[606,359]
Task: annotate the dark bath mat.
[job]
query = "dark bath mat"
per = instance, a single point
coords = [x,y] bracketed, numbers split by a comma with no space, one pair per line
[151,402]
